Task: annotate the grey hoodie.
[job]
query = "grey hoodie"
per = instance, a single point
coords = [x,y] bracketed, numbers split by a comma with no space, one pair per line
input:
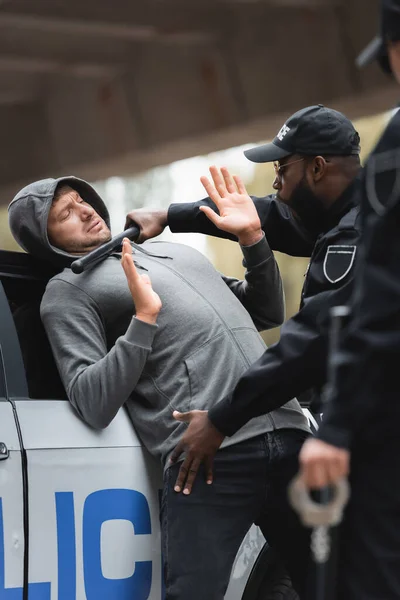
[205,338]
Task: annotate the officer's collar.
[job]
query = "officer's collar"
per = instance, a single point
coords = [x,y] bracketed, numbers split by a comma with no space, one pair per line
[343,204]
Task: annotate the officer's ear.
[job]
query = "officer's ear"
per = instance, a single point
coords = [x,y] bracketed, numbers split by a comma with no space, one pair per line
[319,166]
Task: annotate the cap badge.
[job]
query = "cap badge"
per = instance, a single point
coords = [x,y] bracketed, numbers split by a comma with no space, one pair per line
[282,132]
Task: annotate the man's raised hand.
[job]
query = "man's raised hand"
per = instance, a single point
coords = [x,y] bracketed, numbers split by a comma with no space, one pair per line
[237,213]
[147,302]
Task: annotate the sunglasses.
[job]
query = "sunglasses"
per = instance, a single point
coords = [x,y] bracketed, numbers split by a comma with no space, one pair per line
[278,168]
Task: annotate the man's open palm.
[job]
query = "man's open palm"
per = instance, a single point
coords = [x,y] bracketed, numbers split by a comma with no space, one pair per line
[147,302]
[237,213]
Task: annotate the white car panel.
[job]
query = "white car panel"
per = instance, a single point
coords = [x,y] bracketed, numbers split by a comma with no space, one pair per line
[94,506]
[8,430]
[66,430]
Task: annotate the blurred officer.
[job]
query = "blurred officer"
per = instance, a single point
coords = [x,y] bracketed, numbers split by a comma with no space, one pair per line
[363,413]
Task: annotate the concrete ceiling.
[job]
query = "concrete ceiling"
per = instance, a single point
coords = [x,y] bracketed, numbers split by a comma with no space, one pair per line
[110,87]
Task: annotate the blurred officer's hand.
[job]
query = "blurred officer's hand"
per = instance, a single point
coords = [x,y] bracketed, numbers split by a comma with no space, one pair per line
[237,213]
[151,222]
[322,464]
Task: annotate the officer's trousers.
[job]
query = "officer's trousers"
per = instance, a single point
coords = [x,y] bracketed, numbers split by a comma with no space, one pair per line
[369,547]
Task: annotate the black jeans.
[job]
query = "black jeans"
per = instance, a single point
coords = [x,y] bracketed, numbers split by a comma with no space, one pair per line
[202,532]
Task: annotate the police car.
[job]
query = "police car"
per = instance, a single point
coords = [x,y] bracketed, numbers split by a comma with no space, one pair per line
[79,508]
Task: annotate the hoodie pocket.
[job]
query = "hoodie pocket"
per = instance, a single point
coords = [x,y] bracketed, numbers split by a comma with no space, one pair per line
[213,370]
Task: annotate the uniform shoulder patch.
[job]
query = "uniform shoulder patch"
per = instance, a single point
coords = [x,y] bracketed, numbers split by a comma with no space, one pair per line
[338,262]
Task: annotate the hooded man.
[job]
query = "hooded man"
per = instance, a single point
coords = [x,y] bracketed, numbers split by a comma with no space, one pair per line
[180,342]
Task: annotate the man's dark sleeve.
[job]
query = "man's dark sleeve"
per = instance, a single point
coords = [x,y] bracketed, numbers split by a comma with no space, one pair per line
[282,231]
[366,367]
[298,361]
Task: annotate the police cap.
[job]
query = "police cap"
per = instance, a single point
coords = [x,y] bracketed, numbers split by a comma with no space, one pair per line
[315,130]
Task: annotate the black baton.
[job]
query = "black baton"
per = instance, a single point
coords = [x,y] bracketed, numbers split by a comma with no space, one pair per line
[339,317]
[100,253]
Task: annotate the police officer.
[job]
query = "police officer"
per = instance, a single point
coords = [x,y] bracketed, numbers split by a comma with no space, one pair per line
[313,213]
[363,415]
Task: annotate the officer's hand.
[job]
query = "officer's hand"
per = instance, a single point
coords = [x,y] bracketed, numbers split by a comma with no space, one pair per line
[150,222]
[237,213]
[322,464]
[200,442]
[147,302]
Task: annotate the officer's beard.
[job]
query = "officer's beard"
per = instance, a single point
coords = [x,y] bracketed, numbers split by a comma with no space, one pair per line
[308,208]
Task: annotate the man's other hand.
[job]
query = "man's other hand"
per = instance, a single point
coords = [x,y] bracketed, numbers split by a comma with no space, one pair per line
[237,213]
[322,464]
[147,303]
[151,222]
[200,442]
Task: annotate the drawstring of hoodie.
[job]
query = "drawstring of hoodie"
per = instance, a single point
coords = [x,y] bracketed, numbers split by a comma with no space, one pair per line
[143,251]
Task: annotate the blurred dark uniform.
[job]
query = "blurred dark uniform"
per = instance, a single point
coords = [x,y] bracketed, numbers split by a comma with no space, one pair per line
[363,413]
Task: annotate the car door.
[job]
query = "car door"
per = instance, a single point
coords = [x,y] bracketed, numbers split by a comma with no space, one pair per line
[93,503]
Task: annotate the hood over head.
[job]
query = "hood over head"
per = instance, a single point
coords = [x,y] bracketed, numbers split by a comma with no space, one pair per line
[29,211]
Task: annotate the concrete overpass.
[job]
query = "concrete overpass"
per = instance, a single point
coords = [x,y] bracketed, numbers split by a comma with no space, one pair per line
[107,87]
